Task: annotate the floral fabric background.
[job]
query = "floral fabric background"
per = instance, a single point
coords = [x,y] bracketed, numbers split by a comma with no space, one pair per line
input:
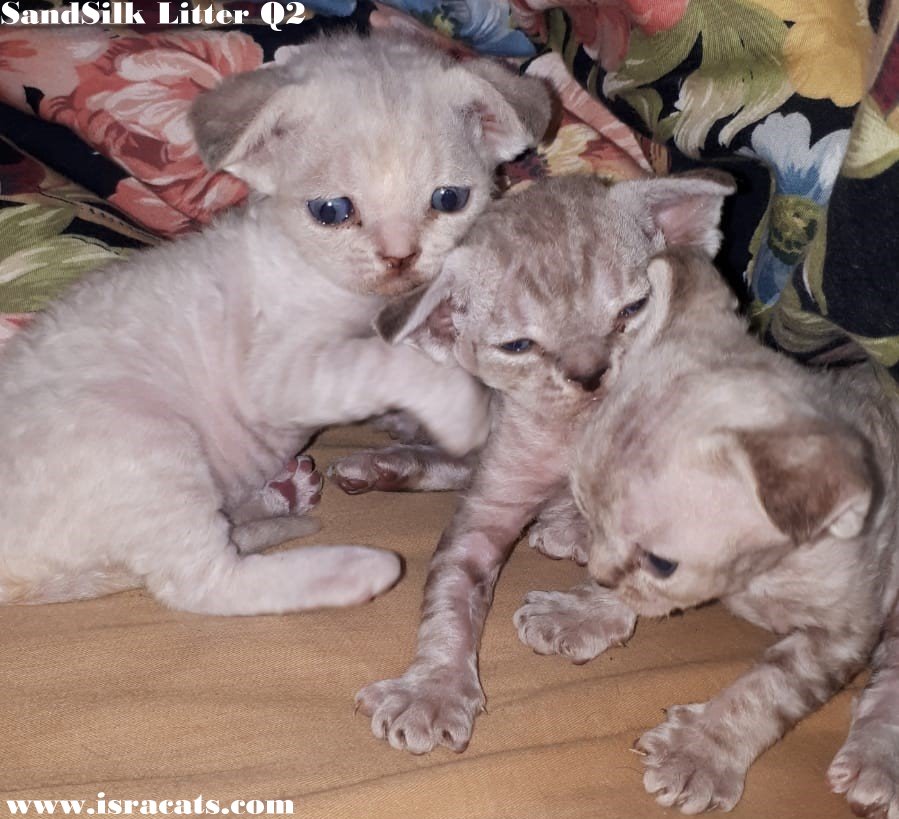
[775,91]
[96,158]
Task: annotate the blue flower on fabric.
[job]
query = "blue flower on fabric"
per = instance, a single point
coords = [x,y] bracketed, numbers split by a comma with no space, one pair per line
[485,25]
[804,176]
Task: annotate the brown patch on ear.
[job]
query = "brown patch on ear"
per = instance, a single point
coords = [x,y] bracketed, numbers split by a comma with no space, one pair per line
[513,111]
[394,315]
[529,96]
[438,324]
[423,318]
[221,117]
[810,478]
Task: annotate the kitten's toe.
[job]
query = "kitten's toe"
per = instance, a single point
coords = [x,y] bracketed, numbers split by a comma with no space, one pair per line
[866,769]
[579,624]
[686,767]
[422,709]
[559,542]
[296,490]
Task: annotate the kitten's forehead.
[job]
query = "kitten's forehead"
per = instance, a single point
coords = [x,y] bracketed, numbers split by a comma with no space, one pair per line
[386,99]
[562,246]
[388,61]
[357,137]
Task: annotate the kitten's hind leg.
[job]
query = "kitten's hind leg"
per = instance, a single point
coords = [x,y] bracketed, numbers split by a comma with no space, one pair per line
[866,768]
[579,624]
[402,468]
[208,575]
[256,535]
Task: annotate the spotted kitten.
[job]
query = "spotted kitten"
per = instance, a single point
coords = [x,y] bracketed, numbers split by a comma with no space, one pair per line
[543,302]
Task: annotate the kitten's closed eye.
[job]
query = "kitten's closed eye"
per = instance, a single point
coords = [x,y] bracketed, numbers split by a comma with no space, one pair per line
[331,211]
[660,566]
[633,308]
[519,345]
[449,199]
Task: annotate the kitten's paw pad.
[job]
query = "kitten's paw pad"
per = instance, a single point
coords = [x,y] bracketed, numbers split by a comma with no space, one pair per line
[688,768]
[384,470]
[560,540]
[296,490]
[579,624]
[867,771]
[419,711]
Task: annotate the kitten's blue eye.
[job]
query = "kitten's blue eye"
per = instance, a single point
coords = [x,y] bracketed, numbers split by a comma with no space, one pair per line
[449,199]
[633,308]
[331,211]
[662,567]
[520,345]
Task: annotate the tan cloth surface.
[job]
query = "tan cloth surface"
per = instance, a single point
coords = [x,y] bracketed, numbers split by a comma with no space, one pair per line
[122,696]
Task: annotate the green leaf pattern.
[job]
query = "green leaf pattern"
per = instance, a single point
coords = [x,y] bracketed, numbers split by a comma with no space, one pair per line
[38,260]
[742,74]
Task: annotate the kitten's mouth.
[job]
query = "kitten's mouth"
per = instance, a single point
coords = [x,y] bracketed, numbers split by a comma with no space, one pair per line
[397,284]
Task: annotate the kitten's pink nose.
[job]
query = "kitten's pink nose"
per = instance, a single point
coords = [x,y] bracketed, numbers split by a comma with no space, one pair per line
[396,264]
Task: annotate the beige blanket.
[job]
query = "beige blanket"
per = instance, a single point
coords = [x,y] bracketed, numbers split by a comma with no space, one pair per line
[124,697]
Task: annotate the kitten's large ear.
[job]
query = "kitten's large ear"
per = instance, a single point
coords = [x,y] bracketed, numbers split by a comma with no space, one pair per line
[424,317]
[237,123]
[686,208]
[811,479]
[677,275]
[511,112]
[663,272]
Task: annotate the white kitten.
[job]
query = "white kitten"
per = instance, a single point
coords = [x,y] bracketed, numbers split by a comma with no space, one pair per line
[143,412]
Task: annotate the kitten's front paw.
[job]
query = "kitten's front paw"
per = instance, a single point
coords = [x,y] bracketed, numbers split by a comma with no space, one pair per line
[866,769]
[560,539]
[686,766]
[422,709]
[295,491]
[458,414]
[384,470]
[579,624]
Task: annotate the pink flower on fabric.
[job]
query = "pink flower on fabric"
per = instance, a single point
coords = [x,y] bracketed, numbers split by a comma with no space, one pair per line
[131,104]
[45,58]
[604,26]
[12,50]
[141,203]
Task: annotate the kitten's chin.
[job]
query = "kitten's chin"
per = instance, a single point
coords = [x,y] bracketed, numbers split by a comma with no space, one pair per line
[394,284]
